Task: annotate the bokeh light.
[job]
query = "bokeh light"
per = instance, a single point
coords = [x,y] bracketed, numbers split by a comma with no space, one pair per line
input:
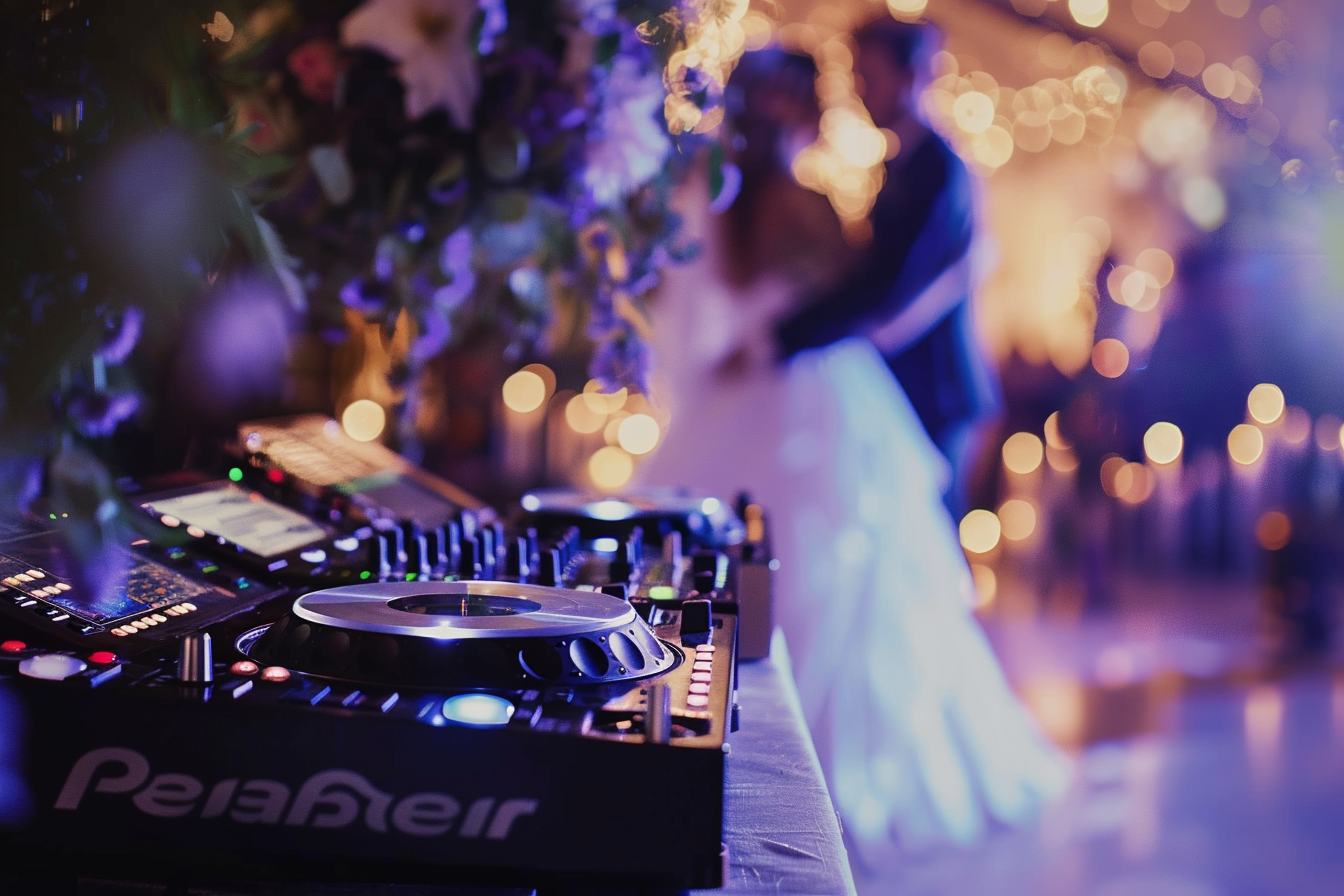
[1162,443]
[363,420]
[980,531]
[1157,262]
[1265,404]
[1274,21]
[603,402]
[1089,13]
[986,586]
[1134,483]
[1219,80]
[973,112]
[1017,519]
[611,430]
[524,391]
[1204,202]
[907,9]
[610,468]
[1023,452]
[1156,59]
[1061,460]
[1296,425]
[1111,465]
[1054,437]
[1327,432]
[1189,58]
[1273,530]
[1110,358]
[1245,444]
[638,434]
[582,417]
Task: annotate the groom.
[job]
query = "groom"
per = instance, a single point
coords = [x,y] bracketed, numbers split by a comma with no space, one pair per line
[911,291]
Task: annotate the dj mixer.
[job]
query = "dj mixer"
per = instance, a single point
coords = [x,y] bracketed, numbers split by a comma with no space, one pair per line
[368,674]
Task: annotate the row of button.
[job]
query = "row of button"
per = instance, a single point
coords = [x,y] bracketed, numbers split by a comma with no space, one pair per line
[24,578]
[147,622]
[702,673]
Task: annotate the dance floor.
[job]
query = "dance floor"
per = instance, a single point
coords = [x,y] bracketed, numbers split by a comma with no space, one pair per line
[1206,765]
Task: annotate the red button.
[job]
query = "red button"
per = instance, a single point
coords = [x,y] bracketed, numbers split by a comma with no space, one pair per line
[13,646]
[102,657]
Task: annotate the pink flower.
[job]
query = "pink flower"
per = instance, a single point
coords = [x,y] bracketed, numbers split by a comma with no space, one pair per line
[430,40]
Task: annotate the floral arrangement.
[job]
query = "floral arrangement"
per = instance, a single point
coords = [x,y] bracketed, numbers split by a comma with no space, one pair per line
[465,165]
[224,169]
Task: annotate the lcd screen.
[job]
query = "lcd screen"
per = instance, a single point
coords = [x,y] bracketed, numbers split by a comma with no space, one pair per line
[244,518]
[40,566]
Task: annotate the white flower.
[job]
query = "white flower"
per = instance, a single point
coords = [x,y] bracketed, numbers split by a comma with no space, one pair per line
[628,145]
[431,42]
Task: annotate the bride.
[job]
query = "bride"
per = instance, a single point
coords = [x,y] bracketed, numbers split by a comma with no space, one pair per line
[920,739]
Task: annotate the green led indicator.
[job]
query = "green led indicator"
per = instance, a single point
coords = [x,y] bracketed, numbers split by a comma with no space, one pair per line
[410,576]
[209,569]
[663,592]
[235,474]
[365,574]
[52,515]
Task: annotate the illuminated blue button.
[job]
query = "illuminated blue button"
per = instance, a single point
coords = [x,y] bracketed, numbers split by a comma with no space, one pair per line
[486,710]
[315,556]
[605,545]
[346,544]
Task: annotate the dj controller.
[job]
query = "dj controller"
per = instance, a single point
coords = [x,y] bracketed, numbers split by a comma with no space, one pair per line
[326,664]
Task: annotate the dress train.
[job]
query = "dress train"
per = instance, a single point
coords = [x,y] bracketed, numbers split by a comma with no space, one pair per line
[921,740]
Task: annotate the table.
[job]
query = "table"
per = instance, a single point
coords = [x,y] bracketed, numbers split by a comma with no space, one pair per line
[782,831]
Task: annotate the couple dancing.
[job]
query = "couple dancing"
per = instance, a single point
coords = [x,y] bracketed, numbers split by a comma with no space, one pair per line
[766,354]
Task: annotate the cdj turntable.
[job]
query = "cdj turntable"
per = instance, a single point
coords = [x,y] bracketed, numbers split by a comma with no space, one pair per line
[561,722]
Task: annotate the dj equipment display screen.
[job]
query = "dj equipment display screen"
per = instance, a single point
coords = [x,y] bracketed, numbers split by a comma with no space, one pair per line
[131,584]
[393,496]
[244,518]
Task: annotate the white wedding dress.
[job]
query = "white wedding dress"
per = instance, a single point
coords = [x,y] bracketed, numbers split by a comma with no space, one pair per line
[920,738]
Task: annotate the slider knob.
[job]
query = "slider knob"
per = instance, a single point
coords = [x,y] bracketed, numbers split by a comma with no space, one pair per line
[697,617]
[469,565]
[380,557]
[518,560]
[195,659]
[551,569]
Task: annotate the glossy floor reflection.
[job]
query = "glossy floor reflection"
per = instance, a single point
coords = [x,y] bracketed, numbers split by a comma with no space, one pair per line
[1206,765]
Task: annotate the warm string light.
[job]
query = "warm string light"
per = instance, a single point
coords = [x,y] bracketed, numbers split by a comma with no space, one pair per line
[715,37]
[845,163]
[988,122]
